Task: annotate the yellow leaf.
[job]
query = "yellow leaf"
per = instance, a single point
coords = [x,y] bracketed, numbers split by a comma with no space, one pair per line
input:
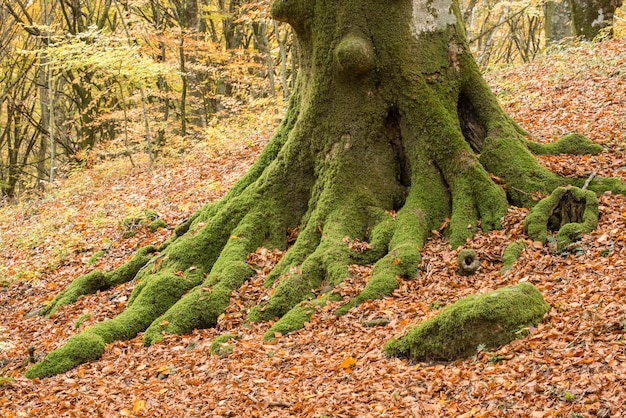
[141,367]
[220,317]
[138,405]
[164,323]
[125,412]
[162,391]
[164,370]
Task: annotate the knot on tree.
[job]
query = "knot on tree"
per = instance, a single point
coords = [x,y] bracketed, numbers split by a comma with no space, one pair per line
[355,55]
[568,211]
[468,262]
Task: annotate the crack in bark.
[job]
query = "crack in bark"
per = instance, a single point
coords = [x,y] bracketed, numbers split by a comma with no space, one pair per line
[472,128]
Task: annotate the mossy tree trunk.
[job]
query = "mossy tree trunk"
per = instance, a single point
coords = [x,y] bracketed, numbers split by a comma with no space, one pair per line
[590,17]
[390,130]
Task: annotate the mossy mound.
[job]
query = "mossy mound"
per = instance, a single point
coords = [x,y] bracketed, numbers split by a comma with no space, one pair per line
[569,210]
[490,320]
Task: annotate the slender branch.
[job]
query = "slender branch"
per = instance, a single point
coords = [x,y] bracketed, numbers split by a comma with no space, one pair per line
[588,181]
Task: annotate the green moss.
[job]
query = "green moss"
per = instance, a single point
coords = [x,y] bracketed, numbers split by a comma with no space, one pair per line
[298,316]
[490,320]
[569,210]
[148,216]
[99,280]
[511,253]
[202,306]
[83,285]
[82,319]
[156,224]
[355,55]
[425,208]
[79,349]
[219,346]
[95,257]
[572,143]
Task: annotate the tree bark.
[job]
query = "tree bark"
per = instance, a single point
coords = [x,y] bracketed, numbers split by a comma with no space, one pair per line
[391,129]
[590,17]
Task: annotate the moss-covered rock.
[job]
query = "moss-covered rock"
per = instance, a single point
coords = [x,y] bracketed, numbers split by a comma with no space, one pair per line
[220,347]
[156,224]
[491,320]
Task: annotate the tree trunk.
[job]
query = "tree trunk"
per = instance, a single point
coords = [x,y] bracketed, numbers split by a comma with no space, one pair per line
[391,129]
[557,21]
[589,17]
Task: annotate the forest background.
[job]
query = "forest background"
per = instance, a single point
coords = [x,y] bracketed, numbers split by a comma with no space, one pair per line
[114,114]
[132,76]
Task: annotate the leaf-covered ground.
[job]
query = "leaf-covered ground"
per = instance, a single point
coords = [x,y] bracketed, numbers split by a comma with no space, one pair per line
[571,365]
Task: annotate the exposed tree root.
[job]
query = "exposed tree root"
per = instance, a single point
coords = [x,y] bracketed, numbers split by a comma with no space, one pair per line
[99,280]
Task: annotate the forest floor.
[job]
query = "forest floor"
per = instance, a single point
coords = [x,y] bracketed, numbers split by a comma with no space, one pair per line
[573,364]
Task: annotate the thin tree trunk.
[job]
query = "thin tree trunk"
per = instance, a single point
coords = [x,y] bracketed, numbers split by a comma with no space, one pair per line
[283,62]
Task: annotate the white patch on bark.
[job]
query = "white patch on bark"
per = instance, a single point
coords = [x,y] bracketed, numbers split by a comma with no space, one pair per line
[431,15]
[599,20]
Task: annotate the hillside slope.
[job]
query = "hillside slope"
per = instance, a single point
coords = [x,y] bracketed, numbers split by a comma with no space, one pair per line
[573,364]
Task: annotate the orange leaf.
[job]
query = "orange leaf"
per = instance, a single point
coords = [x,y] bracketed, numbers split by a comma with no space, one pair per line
[138,405]
[347,364]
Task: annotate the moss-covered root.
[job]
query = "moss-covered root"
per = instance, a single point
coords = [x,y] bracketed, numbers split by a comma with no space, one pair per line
[425,208]
[298,316]
[99,280]
[201,307]
[572,143]
[334,224]
[79,349]
[569,210]
[490,320]
[476,199]
[166,287]
[511,253]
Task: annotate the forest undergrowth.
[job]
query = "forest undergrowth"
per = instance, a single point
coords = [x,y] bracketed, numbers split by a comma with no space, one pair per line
[573,364]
